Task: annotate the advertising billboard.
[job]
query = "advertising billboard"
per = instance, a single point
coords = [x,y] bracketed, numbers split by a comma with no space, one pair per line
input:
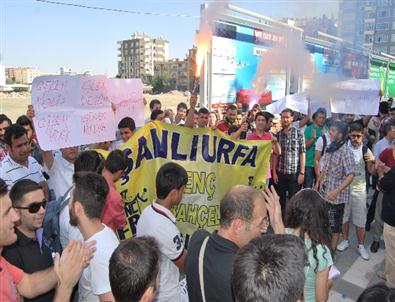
[235,57]
[378,70]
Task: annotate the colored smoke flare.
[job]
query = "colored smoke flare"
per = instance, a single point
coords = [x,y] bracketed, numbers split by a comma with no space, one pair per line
[200,54]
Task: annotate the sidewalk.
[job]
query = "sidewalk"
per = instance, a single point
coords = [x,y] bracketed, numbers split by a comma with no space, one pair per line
[356,273]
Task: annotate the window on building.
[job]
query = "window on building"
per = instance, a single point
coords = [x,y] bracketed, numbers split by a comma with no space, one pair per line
[381,49]
[392,50]
[383,26]
[384,2]
[368,38]
[369,26]
[383,13]
[370,15]
[381,38]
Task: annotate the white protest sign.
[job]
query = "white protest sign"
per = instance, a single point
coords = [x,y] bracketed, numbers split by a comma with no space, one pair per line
[72,111]
[127,98]
[297,102]
[276,107]
[356,97]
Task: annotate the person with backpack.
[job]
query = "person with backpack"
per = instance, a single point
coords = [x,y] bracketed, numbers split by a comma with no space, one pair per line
[336,175]
[57,228]
[355,209]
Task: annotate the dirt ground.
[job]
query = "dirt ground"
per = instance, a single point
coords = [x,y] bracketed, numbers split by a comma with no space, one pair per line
[15,104]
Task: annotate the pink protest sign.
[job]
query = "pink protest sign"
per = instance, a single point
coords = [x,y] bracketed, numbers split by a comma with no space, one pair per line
[72,111]
[127,98]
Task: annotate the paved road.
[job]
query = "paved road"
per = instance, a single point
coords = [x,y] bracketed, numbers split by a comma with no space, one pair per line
[356,273]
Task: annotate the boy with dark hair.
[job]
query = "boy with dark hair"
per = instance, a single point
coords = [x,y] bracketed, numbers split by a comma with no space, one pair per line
[158,221]
[114,210]
[270,269]
[134,269]
[126,127]
[181,113]
[157,115]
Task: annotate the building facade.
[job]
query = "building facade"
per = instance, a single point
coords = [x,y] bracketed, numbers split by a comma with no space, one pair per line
[138,55]
[22,75]
[177,70]
[368,23]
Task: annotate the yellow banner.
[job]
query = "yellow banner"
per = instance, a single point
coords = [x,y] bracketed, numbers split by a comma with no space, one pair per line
[214,163]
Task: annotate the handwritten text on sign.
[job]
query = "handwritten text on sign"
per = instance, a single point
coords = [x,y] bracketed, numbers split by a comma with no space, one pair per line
[77,110]
[127,97]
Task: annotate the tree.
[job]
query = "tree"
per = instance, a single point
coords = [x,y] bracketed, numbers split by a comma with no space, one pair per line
[161,82]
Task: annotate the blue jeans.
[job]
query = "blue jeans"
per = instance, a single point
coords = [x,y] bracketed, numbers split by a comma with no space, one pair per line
[309,177]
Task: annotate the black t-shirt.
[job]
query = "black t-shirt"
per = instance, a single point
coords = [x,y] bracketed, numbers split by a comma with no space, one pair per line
[387,185]
[27,254]
[218,264]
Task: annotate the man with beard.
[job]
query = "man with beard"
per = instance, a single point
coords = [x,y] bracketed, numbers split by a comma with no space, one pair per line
[229,120]
[289,167]
[29,252]
[86,206]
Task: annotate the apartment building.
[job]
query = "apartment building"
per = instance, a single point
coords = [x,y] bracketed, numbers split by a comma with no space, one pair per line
[22,75]
[368,23]
[138,55]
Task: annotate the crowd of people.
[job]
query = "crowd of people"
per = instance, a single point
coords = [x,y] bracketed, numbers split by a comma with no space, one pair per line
[60,211]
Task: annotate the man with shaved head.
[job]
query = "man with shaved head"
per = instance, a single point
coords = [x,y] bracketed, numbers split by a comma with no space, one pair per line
[244,213]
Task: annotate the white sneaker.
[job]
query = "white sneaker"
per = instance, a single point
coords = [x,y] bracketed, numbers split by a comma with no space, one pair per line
[363,252]
[342,246]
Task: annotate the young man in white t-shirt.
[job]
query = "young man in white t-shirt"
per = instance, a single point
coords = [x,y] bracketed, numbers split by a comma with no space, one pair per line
[60,168]
[86,206]
[159,222]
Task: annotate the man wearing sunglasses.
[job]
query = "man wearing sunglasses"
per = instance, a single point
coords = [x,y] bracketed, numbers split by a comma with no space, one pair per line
[15,283]
[28,252]
[355,209]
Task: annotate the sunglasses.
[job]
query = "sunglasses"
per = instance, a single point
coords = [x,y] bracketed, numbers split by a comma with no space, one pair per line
[34,207]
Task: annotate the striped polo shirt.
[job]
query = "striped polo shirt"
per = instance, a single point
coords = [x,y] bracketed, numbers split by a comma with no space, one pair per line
[11,172]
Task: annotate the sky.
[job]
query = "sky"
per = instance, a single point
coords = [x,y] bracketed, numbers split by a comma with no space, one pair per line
[48,36]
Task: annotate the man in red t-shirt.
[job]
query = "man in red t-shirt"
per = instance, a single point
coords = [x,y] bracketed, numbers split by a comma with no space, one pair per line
[114,209]
[14,283]
[387,156]
[229,120]
[261,120]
